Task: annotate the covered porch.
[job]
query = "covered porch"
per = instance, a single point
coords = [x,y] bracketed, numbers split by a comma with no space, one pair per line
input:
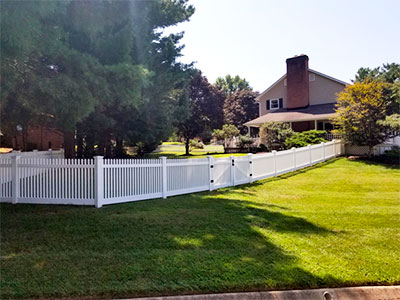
[313,117]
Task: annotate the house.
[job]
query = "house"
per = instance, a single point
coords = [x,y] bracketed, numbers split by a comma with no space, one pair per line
[38,137]
[302,97]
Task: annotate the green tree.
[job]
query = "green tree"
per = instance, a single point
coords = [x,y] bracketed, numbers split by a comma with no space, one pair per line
[226,134]
[274,134]
[360,109]
[231,84]
[75,58]
[241,107]
[200,110]
[389,73]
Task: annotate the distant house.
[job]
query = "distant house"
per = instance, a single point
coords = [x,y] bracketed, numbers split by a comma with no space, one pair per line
[302,97]
[40,138]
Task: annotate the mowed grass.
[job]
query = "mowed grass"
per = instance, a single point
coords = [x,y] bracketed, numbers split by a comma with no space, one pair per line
[177,150]
[335,224]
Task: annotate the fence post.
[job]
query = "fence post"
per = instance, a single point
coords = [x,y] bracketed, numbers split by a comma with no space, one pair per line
[274,158]
[232,170]
[164,176]
[98,181]
[50,151]
[211,171]
[334,148]
[15,178]
[323,151]
[250,158]
[294,159]
[309,154]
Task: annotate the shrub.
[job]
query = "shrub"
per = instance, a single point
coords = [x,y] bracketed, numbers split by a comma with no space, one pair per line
[274,134]
[226,134]
[302,139]
[196,144]
[244,141]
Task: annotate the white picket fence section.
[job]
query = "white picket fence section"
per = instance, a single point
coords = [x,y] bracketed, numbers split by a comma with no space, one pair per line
[101,181]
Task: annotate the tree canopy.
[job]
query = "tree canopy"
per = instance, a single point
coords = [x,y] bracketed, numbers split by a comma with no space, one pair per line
[103,67]
[361,108]
[230,84]
[388,73]
[241,107]
[200,110]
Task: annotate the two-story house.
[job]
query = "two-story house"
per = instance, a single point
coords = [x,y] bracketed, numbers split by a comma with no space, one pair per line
[302,97]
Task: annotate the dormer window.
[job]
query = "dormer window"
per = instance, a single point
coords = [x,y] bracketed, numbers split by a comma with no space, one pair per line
[274,104]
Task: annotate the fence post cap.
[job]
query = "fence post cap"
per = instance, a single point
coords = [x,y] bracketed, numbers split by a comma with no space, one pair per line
[273,151]
[98,157]
[34,150]
[309,145]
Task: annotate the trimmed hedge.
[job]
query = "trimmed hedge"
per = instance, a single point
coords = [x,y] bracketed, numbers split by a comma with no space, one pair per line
[301,139]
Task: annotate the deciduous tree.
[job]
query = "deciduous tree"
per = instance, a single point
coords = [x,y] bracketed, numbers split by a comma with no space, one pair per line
[360,109]
[231,84]
[241,107]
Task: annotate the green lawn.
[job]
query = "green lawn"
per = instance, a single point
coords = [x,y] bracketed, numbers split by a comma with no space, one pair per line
[336,224]
[177,150]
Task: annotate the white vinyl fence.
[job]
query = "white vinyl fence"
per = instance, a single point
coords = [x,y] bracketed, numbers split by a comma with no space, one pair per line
[101,181]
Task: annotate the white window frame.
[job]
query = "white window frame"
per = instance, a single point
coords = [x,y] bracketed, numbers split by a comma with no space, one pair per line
[270,104]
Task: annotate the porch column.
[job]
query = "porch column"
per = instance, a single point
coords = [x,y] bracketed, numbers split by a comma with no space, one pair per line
[248,131]
[315,124]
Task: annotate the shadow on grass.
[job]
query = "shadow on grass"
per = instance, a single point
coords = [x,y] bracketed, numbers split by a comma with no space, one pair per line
[366,161]
[186,244]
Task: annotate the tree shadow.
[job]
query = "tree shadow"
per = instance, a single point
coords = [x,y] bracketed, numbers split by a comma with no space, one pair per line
[366,161]
[187,244]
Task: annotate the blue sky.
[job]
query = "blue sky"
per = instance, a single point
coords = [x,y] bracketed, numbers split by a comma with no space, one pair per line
[253,38]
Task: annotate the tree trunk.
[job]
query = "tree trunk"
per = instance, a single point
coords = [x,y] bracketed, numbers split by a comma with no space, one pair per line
[101,146]
[119,149]
[69,144]
[79,144]
[187,144]
[370,151]
[108,146]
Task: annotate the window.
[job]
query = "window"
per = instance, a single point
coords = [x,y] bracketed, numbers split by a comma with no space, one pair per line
[274,104]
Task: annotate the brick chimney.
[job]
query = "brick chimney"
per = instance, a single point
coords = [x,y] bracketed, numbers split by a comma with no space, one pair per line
[297,81]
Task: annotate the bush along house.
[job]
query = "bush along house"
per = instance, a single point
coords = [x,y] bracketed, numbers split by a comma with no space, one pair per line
[302,97]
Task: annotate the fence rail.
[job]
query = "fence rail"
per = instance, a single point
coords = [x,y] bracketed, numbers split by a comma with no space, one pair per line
[101,181]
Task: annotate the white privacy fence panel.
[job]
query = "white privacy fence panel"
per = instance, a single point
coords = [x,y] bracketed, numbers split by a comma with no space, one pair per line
[187,175]
[241,170]
[222,172]
[101,181]
[263,166]
[303,157]
[284,161]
